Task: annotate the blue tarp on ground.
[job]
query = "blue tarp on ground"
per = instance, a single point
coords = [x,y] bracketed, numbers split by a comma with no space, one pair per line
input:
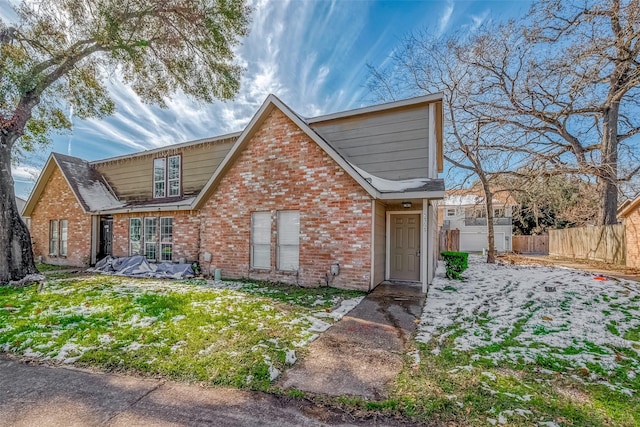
[139,266]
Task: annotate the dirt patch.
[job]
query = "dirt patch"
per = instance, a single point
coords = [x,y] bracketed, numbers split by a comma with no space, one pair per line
[608,270]
[573,394]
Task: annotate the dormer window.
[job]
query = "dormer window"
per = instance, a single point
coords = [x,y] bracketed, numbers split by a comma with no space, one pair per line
[166,177]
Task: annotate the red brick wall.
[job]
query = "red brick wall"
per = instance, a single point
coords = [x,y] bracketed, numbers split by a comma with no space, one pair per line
[186,233]
[59,202]
[632,238]
[282,169]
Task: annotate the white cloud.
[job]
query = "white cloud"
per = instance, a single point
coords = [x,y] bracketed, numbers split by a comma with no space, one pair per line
[478,20]
[24,173]
[444,20]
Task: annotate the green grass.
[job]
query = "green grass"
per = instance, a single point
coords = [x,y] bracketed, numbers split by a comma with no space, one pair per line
[49,267]
[632,334]
[185,331]
[520,380]
[438,391]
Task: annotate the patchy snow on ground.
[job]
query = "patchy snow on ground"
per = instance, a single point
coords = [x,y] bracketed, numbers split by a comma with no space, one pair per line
[63,326]
[535,312]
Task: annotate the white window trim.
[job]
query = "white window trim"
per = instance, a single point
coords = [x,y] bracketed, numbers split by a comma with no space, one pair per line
[144,238]
[280,245]
[253,244]
[164,178]
[63,237]
[54,230]
[178,179]
[161,244]
[140,236]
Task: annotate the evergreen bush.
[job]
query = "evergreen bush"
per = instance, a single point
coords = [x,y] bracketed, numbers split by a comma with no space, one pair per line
[456,263]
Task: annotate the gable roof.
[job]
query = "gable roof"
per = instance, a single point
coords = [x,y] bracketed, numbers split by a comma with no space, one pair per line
[628,206]
[88,186]
[427,188]
[96,196]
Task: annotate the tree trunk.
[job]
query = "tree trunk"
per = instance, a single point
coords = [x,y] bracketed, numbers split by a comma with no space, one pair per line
[491,237]
[608,176]
[16,255]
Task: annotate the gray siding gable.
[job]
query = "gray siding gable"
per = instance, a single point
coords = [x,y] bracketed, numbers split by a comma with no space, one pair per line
[389,144]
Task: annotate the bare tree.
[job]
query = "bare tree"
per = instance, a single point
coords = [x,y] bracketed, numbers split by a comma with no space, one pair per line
[568,77]
[426,64]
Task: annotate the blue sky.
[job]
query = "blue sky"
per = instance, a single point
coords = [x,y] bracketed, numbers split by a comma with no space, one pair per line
[311,54]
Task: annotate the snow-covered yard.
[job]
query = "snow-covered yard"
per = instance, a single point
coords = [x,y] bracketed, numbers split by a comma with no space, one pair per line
[231,333]
[531,339]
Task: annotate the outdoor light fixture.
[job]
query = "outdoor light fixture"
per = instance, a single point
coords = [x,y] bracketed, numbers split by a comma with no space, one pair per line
[406,204]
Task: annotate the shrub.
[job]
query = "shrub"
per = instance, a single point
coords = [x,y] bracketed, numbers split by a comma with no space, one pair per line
[456,263]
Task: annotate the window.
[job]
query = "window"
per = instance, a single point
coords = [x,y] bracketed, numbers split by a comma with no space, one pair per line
[135,236]
[261,239]
[64,233]
[166,177]
[159,176]
[477,212]
[166,239]
[174,176]
[154,240]
[498,213]
[151,238]
[451,212]
[53,237]
[288,240]
[58,237]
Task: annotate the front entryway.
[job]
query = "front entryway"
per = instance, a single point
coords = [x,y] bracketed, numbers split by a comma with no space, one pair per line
[106,237]
[404,256]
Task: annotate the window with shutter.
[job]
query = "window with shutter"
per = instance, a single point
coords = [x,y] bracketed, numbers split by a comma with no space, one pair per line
[288,240]
[261,239]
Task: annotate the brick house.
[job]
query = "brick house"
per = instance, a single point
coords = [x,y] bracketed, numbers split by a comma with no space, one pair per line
[346,199]
[629,214]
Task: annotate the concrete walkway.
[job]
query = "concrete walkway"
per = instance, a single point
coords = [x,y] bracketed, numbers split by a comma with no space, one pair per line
[362,353]
[35,395]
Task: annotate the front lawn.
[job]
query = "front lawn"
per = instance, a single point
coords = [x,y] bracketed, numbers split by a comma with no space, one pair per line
[519,345]
[226,333]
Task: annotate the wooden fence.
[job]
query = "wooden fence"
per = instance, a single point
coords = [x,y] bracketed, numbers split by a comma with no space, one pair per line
[530,244]
[602,243]
[449,240]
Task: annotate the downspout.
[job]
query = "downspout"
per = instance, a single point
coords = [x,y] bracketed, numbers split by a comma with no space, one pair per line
[373,243]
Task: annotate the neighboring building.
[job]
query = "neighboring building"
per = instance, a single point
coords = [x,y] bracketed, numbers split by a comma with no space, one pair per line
[466,211]
[345,199]
[20,203]
[629,214]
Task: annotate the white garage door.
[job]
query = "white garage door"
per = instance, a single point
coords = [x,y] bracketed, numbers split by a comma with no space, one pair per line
[476,242]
